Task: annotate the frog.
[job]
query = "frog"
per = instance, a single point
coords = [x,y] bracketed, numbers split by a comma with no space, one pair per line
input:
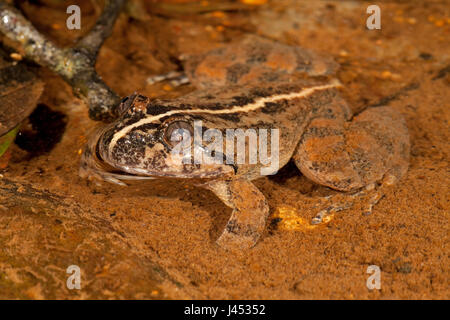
[252,83]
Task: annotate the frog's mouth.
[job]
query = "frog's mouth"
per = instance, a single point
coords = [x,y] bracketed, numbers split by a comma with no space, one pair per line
[132,173]
[114,172]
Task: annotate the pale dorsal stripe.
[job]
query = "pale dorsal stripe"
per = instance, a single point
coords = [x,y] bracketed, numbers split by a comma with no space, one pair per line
[259,103]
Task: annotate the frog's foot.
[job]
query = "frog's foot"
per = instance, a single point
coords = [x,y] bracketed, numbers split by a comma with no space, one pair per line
[249,216]
[175,78]
[370,196]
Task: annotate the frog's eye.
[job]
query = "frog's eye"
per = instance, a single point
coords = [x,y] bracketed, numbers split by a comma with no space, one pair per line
[178,131]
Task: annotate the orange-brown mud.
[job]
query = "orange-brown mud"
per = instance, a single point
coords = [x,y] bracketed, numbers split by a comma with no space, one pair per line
[156,239]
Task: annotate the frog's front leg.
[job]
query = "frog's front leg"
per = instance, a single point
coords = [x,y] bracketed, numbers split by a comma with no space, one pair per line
[249,216]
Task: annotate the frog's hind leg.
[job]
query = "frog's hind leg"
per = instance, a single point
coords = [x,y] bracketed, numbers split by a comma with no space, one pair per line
[249,216]
[350,155]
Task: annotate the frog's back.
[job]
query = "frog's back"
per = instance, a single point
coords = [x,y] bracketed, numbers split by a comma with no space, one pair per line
[255,60]
[288,107]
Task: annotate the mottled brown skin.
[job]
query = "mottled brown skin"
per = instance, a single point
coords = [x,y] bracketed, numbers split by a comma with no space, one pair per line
[317,130]
[255,61]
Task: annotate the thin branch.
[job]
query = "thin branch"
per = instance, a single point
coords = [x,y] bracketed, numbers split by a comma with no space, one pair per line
[92,42]
[75,65]
[36,47]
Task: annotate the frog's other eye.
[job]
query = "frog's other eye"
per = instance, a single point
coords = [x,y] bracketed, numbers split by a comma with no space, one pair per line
[124,105]
[178,131]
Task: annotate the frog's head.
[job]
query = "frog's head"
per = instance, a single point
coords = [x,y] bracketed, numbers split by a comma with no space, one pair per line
[153,140]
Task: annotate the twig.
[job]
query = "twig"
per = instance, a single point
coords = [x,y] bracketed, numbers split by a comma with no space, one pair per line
[92,42]
[75,65]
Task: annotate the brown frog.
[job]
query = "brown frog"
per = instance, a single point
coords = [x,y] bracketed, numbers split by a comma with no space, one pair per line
[285,92]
